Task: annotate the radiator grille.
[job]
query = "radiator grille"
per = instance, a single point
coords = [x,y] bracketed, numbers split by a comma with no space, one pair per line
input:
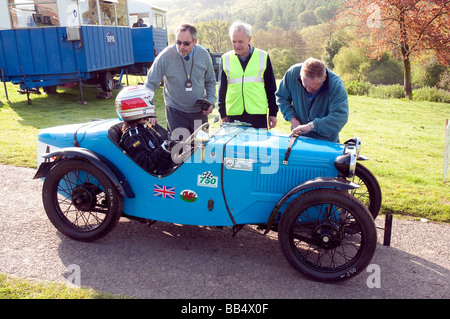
[285,179]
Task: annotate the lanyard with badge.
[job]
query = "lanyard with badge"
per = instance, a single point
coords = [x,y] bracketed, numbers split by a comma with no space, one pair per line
[188,83]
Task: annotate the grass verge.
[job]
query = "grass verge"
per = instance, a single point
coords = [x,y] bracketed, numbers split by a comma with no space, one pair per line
[12,287]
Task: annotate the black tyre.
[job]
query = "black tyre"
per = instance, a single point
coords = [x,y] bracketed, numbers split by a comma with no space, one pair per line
[81,201]
[106,81]
[328,235]
[50,89]
[369,191]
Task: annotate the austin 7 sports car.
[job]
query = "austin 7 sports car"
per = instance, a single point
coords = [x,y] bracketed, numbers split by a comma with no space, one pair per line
[315,194]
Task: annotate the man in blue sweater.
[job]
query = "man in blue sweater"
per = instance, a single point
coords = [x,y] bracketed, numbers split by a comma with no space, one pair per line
[314,100]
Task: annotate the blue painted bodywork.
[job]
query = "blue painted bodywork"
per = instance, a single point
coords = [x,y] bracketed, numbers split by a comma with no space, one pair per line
[239,180]
[147,43]
[39,57]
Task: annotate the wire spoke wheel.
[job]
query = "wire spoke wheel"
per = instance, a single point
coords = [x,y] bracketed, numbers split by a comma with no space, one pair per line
[327,235]
[369,191]
[80,200]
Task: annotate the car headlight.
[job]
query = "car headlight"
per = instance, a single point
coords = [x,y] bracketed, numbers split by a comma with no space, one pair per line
[346,163]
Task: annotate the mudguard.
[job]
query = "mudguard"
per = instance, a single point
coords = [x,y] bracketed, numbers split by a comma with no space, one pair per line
[95,159]
[320,182]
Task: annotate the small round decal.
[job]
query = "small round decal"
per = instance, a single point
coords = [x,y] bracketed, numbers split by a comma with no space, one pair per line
[110,38]
[188,195]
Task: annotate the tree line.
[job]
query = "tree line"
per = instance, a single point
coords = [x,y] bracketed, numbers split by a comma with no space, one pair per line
[376,41]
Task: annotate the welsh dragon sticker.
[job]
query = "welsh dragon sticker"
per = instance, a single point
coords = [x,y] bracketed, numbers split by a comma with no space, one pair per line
[188,195]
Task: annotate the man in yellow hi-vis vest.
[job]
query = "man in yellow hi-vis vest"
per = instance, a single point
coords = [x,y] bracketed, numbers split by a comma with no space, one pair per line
[246,82]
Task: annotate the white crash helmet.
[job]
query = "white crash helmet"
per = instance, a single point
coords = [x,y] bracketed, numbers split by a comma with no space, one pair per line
[135,102]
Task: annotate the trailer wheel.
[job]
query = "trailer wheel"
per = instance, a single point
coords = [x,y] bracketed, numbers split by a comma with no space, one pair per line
[50,89]
[106,81]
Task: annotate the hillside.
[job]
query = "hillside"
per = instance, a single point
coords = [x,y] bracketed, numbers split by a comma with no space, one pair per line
[262,14]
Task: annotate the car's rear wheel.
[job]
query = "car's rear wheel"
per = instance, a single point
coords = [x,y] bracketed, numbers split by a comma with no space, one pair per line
[80,200]
[327,235]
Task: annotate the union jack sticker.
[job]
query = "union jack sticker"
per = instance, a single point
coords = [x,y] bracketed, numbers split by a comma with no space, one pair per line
[164,191]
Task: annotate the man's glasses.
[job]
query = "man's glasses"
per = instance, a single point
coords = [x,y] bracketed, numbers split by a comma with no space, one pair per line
[185,43]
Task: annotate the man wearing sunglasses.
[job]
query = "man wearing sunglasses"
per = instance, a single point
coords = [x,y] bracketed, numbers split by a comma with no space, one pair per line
[189,82]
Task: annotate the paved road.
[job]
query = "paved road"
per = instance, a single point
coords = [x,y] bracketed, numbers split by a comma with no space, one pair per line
[174,261]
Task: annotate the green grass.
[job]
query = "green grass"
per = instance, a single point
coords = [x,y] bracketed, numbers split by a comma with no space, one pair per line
[20,288]
[405,142]
[403,139]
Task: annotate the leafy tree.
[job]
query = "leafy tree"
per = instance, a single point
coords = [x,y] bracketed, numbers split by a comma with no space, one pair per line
[307,18]
[323,14]
[214,35]
[284,59]
[353,64]
[385,70]
[331,48]
[277,38]
[407,28]
[429,73]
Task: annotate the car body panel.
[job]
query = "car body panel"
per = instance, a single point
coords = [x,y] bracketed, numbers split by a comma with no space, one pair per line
[237,177]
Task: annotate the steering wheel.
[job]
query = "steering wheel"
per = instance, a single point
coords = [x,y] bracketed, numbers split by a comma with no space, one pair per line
[188,145]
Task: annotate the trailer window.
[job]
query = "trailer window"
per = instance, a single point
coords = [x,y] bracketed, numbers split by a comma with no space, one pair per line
[108,13]
[139,20]
[89,12]
[121,10]
[33,13]
[159,21]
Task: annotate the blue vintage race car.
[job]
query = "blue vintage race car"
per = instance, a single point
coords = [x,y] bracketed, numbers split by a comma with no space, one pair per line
[305,189]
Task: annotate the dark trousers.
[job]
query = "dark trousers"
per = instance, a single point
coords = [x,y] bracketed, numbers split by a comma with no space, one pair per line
[256,120]
[179,119]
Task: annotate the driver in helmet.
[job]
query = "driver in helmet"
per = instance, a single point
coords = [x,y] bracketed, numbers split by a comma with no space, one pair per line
[134,105]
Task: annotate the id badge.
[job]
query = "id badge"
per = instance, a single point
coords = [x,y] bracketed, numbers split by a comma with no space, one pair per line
[188,85]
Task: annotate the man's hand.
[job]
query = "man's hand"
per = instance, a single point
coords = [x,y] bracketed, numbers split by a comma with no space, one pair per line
[205,106]
[208,111]
[272,121]
[305,128]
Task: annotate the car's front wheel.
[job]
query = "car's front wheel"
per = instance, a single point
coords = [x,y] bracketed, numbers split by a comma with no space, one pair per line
[327,235]
[80,200]
[369,191]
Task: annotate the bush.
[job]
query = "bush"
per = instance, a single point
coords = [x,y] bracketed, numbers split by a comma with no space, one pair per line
[357,87]
[351,64]
[395,91]
[431,94]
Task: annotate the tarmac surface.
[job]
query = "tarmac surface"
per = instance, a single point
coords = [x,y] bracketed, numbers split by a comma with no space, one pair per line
[169,261]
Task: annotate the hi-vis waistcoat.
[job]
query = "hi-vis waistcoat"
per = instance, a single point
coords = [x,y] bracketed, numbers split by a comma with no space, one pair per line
[245,87]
